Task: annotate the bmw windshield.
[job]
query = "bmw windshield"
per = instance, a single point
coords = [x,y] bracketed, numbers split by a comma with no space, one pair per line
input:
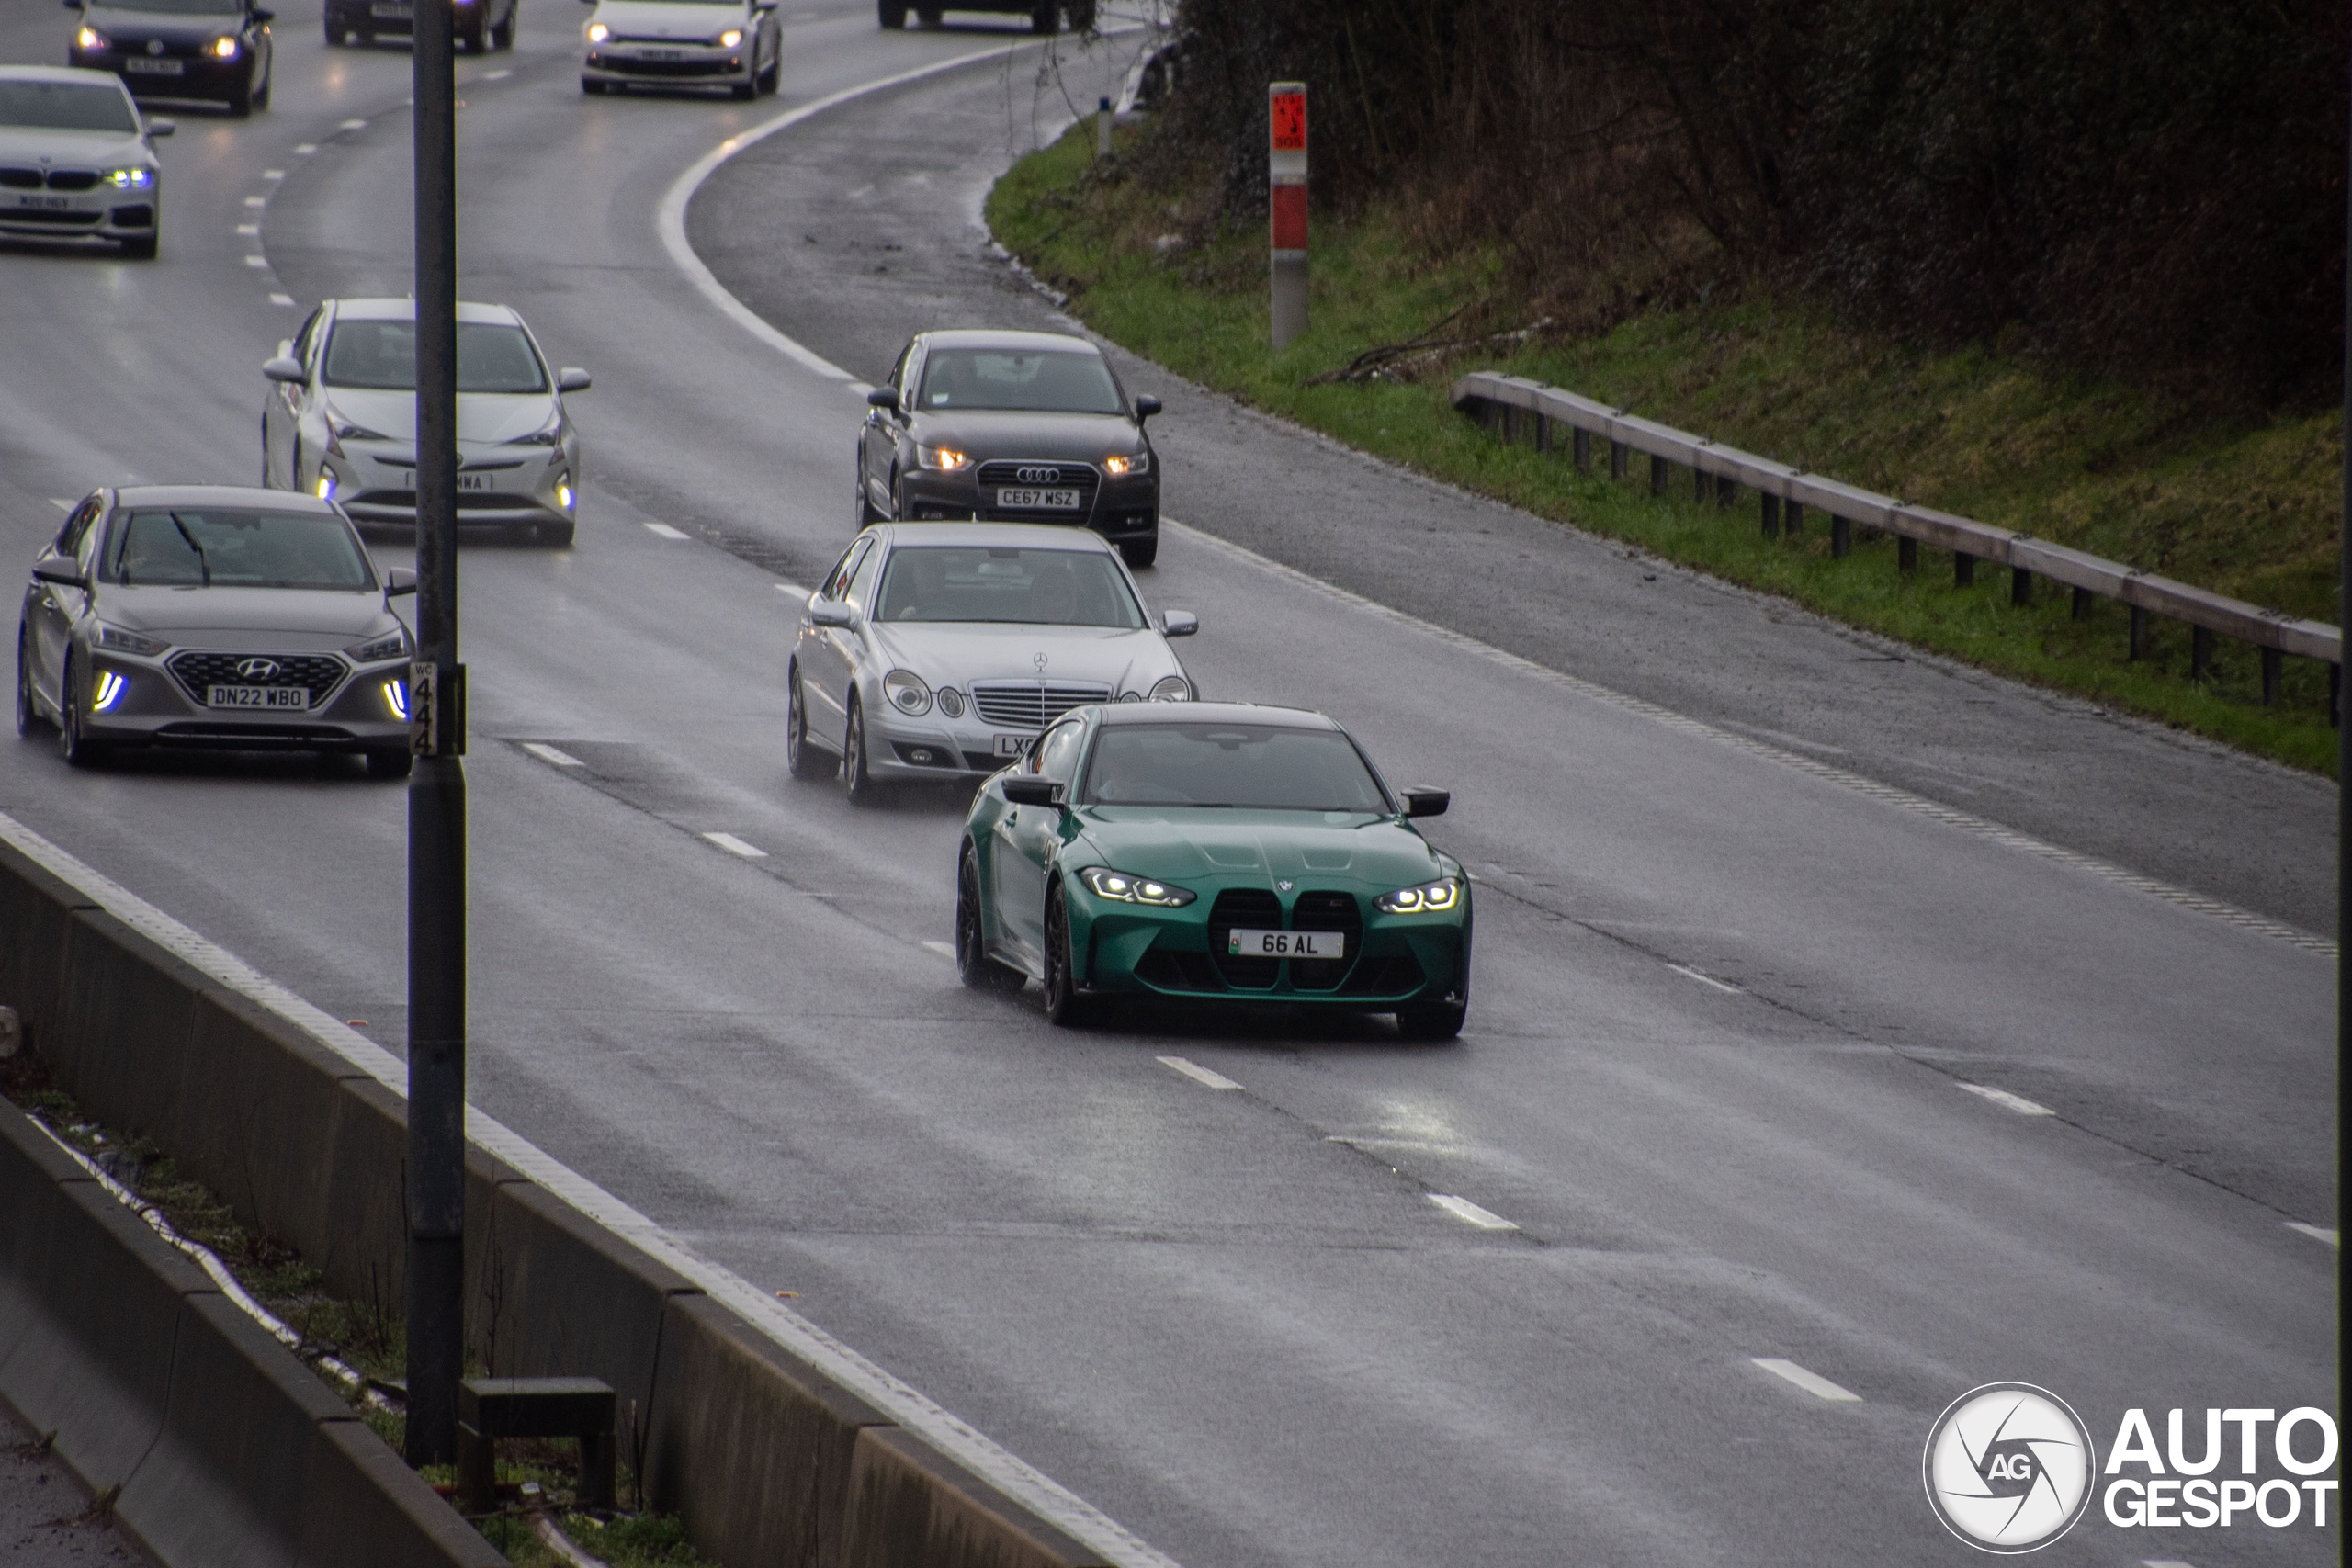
[66,105]
[206,547]
[1261,766]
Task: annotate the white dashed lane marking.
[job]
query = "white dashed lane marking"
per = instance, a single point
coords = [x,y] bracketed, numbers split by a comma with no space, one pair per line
[1471,1213]
[60,502]
[665,531]
[792,588]
[547,754]
[273,173]
[735,846]
[256,201]
[353,125]
[281,299]
[305,149]
[499,76]
[257,261]
[2009,1101]
[1689,973]
[248,230]
[1197,1073]
[944,949]
[1813,1383]
[2317,1232]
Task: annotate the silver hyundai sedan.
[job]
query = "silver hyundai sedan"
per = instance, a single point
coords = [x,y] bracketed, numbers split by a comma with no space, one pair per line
[937,651]
[214,615]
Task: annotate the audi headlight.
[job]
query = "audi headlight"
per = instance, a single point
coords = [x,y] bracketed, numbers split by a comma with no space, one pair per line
[943,459]
[90,37]
[129,180]
[394,645]
[222,48]
[1120,467]
[951,702]
[730,37]
[598,32]
[907,692]
[114,640]
[1171,689]
[1428,899]
[1120,887]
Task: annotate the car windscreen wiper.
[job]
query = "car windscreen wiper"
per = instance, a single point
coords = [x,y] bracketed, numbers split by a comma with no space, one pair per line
[202,560]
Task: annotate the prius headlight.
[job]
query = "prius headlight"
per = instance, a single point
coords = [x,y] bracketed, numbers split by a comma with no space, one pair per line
[598,32]
[1120,467]
[393,646]
[114,640]
[1122,887]
[945,459]
[129,180]
[907,691]
[346,431]
[1428,899]
[547,434]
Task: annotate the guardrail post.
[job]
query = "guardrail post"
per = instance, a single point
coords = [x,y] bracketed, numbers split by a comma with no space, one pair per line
[1581,449]
[1792,518]
[1964,568]
[1906,555]
[2083,600]
[2274,671]
[1841,537]
[1102,129]
[2201,653]
[1771,514]
[1660,472]
[1510,424]
[2021,586]
[1618,456]
[1542,433]
[2139,632]
[1727,490]
[1700,484]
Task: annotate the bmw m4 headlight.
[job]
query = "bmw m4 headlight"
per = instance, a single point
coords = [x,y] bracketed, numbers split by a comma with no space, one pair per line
[90,37]
[1117,885]
[114,640]
[222,48]
[730,37]
[907,692]
[394,645]
[951,702]
[598,32]
[1120,467]
[1428,899]
[129,180]
[1171,689]
[942,459]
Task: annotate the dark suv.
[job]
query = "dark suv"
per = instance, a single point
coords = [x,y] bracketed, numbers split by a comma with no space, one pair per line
[1044,16]
[479,23]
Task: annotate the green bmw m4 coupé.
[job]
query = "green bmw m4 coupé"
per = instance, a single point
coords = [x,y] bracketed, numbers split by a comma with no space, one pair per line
[1211,850]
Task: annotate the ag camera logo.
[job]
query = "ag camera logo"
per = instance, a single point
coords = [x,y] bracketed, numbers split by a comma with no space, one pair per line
[2009,1468]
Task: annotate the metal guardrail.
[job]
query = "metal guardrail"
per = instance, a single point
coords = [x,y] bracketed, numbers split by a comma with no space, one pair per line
[1512,404]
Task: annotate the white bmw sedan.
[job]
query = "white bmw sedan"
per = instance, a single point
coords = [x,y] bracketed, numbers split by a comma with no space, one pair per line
[735,44]
[935,652]
[76,159]
[339,420]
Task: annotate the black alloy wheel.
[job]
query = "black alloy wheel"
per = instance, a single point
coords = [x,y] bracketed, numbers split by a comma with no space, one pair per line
[1139,553]
[27,711]
[475,38]
[773,76]
[973,964]
[389,763]
[336,32]
[78,749]
[1441,1019]
[801,760]
[930,16]
[748,88]
[1065,1008]
[890,13]
[865,789]
[269,80]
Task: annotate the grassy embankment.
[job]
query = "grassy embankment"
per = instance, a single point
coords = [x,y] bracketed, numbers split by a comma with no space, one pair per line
[2245,507]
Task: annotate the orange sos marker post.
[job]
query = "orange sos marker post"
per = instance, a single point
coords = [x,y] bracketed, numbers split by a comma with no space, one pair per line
[1286,191]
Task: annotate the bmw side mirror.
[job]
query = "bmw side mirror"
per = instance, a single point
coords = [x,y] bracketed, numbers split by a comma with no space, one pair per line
[1427,802]
[571,378]
[1146,406]
[1178,622]
[831,612]
[883,398]
[398,581]
[162,127]
[63,576]
[285,367]
[1028,789]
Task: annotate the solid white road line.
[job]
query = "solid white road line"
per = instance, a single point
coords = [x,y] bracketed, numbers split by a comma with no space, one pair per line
[2161,1562]
[1464,1209]
[944,949]
[1686,971]
[735,846]
[60,502]
[1813,1383]
[2009,1101]
[2317,1232]
[667,531]
[897,1398]
[1197,1073]
[547,754]
[792,588]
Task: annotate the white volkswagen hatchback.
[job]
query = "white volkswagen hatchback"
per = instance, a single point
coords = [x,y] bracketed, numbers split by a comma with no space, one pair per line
[735,44]
[340,419]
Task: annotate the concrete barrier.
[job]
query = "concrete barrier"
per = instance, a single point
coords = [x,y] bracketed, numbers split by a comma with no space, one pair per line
[215,1445]
[766,1459]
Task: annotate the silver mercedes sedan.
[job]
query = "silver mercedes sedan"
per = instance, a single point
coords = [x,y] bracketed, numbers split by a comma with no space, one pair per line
[937,651]
[214,615]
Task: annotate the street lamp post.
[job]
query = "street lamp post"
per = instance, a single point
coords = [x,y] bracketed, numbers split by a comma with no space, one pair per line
[437,793]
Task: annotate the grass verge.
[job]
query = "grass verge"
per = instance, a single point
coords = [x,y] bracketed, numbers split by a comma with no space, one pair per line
[2244,505]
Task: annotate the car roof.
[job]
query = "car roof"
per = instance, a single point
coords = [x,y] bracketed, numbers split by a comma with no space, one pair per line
[1004,338]
[1215,713]
[388,310]
[997,535]
[68,74]
[224,495]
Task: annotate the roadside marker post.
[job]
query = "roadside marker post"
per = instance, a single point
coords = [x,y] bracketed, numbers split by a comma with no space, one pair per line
[1287,196]
[1102,117]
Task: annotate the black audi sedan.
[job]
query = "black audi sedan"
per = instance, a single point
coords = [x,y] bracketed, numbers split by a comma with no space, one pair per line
[216,50]
[1011,428]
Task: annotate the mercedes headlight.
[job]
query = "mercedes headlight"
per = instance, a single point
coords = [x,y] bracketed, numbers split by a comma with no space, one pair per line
[730,37]
[90,37]
[944,459]
[598,32]
[1428,899]
[951,702]
[115,639]
[1171,689]
[907,692]
[1120,467]
[1120,887]
[129,180]
[393,646]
